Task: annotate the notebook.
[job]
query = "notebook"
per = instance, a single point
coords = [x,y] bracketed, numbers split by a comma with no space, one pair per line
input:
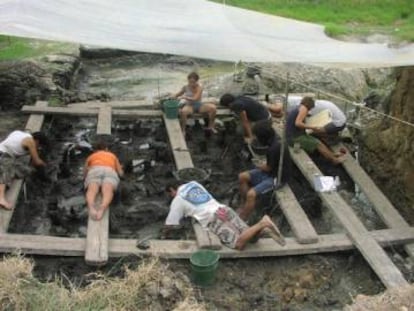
[320,119]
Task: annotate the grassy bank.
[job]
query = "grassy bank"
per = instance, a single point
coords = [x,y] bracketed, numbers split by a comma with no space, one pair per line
[343,17]
[18,48]
[20,290]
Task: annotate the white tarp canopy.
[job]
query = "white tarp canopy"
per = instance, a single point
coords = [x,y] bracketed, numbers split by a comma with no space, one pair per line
[195,28]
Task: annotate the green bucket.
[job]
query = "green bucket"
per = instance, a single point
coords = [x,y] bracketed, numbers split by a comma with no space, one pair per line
[171,108]
[204,264]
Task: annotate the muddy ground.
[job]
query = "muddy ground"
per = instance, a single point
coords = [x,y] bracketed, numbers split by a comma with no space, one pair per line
[53,203]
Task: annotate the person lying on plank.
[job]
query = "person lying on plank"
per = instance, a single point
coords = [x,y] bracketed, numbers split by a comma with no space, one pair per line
[102,172]
[193,200]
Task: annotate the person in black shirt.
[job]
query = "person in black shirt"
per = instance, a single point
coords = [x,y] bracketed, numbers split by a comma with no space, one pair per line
[249,110]
[264,177]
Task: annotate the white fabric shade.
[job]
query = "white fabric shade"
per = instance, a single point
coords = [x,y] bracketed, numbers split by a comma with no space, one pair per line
[194,28]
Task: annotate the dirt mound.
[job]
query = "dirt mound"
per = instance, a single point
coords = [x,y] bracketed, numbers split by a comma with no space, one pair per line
[400,299]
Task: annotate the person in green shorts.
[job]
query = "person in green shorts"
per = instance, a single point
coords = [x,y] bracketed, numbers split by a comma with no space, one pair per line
[296,132]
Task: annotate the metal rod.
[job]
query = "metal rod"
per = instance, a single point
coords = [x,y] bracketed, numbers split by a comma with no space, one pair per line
[283,138]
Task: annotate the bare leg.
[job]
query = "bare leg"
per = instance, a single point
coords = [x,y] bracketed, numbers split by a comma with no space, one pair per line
[184,113]
[329,155]
[3,202]
[244,180]
[107,196]
[276,109]
[249,233]
[248,207]
[210,110]
[91,192]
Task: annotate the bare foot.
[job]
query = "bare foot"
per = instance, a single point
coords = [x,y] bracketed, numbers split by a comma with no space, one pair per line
[6,205]
[92,212]
[273,231]
[100,213]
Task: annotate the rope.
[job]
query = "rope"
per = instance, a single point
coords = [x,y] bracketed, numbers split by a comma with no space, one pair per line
[347,101]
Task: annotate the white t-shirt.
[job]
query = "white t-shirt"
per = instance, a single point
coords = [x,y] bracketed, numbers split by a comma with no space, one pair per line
[338,117]
[292,102]
[192,200]
[13,143]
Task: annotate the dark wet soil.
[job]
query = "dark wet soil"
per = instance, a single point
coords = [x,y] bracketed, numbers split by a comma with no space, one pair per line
[312,282]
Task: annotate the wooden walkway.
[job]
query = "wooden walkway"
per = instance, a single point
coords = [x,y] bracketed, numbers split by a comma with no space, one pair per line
[327,243]
[305,240]
[380,203]
[369,248]
[301,226]
[182,158]
[96,252]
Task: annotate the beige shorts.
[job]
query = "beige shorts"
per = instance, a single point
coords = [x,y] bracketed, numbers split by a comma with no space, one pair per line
[100,175]
[227,225]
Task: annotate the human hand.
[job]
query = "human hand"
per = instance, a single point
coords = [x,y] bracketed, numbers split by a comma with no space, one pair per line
[39,162]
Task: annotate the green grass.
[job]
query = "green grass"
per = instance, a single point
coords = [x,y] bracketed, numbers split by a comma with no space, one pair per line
[20,48]
[343,17]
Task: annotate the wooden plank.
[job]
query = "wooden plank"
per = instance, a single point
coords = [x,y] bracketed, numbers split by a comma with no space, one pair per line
[63,246]
[206,239]
[104,120]
[301,226]
[178,144]
[147,102]
[88,112]
[369,248]
[97,235]
[182,160]
[125,104]
[34,124]
[85,112]
[12,195]
[96,251]
[42,245]
[380,202]
[35,121]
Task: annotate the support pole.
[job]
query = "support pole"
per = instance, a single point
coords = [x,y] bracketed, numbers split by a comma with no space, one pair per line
[283,138]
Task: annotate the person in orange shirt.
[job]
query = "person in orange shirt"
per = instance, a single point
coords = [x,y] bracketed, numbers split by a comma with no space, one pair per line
[102,172]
